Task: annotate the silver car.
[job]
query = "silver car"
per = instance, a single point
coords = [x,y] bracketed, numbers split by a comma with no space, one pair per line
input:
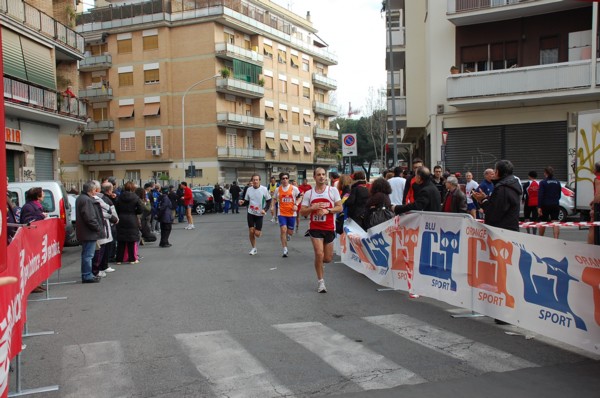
[566,202]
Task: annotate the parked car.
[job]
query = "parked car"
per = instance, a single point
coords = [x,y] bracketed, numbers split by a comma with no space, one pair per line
[566,202]
[207,188]
[55,203]
[203,202]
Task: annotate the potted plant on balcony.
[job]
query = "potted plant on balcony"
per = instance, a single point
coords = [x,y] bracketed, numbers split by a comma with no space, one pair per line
[225,73]
[261,82]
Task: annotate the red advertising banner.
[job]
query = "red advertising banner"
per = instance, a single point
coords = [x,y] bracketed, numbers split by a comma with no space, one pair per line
[33,255]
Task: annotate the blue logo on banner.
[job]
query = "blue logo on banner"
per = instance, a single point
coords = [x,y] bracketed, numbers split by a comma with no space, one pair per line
[438,263]
[377,248]
[551,290]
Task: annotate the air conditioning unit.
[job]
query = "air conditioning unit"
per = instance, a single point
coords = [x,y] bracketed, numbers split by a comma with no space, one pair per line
[156,151]
[274,152]
[440,109]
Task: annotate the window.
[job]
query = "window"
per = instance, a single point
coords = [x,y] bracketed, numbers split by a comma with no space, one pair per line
[282,116]
[151,76]
[99,114]
[549,50]
[229,37]
[231,140]
[295,118]
[132,175]
[305,66]
[492,56]
[101,146]
[153,140]
[157,174]
[295,91]
[97,49]
[319,95]
[281,56]
[268,50]
[306,92]
[124,46]
[126,79]
[269,113]
[268,82]
[250,141]
[127,141]
[282,86]
[150,42]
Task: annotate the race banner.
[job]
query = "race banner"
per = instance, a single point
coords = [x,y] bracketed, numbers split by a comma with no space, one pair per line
[32,256]
[550,287]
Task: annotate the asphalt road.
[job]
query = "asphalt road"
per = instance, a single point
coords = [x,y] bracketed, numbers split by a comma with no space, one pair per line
[205,319]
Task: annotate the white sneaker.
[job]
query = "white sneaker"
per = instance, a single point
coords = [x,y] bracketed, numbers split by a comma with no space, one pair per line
[110,269]
[413,296]
[102,274]
[273,219]
[253,251]
[285,252]
[322,288]
[193,226]
[189,226]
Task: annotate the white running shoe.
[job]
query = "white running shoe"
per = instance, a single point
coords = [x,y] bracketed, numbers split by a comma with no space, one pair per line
[102,274]
[193,226]
[285,252]
[273,220]
[189,226]
[253,251]
[110,269]
[322,288]
[413,296]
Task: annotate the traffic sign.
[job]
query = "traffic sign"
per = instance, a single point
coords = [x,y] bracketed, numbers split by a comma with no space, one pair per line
[349,147]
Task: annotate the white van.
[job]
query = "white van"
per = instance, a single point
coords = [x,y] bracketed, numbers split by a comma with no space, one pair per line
[56,203]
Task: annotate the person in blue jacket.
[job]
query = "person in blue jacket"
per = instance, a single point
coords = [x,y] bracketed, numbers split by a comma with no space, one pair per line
[548,198]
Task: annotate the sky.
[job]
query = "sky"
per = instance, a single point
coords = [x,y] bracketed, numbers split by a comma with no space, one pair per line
[355,32]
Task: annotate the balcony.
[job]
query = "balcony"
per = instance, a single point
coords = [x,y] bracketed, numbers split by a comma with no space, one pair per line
[323,157]
[101,126]
[471,12]
[398,38]
[534,85]
[98,62]
[93,94]
[224,152]
[23,100]
[229,119]
[325,109]
[245,16]
[230,52]
[324,82]
[68,42]
[400,106]
[96,157]
[325,134]
[240,87]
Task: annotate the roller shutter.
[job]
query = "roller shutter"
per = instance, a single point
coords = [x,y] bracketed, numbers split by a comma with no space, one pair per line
[10,165]
[12,53]
[44,164]
[537,145]
[473,149]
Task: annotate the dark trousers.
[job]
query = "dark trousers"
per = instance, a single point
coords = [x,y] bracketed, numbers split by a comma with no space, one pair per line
[235,206]
[165,232]
[130,251]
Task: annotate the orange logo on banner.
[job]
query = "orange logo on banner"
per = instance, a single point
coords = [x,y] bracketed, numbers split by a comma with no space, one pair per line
[12,135]
[404,242]
[591,276]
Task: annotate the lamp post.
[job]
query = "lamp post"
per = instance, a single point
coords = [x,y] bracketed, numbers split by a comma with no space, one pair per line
[183,117]
[391,65]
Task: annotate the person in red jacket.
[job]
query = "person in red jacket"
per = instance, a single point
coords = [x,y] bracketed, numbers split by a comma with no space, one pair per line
[530,200]
[188,202]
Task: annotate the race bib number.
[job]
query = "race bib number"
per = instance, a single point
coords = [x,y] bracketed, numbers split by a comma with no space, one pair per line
[318,218]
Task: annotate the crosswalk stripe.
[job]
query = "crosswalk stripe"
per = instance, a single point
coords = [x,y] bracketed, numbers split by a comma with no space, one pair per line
[478,355]
[230,369]
[362,366]
[95,370]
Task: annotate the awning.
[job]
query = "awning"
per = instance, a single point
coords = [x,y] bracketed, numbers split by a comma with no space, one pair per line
[294,59]
[283,117]
[297,146]
[152,109]
[271,145]
[308,148]
[281,55]
[125,111]
[284,146]
[306,121]
[269,114]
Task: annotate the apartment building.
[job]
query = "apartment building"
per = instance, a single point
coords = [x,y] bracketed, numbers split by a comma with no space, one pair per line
[521,71]
[213,91]
[40,54]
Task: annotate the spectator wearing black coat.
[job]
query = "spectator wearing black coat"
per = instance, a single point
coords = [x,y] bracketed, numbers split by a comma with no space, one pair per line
[426,195]
[218,198]
[235,191]
[128,230]
[90,228]
[503,205]
[357,201]
[455,200]
[165,216]
[180,204]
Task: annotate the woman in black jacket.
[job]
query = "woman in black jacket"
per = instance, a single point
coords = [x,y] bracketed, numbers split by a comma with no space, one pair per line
[128,206]
[357,201]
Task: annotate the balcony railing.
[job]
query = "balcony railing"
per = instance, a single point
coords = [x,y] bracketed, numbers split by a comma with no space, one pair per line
[236,120]
[96,94]
[506,84]
[230,51]
[475,5]
[325,109]
[98,62]
[400,106]
[42,99]
[96,157]
[240,87]
[240,153]
[250,16]
[397,37]
[326,134]
[43,23]
[323,81]
[100,126]
[326,158]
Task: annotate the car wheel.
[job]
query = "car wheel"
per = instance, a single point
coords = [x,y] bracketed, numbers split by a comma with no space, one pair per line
[562,214]
[200,209]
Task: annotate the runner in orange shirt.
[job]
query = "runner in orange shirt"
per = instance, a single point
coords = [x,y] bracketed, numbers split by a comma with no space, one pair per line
[286,199]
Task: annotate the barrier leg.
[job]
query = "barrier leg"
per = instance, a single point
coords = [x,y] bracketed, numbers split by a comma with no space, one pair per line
[20,392]
[48,298]
[58,281]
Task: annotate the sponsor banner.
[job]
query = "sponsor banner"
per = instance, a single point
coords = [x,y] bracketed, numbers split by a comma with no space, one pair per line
[32,256]
[551,287]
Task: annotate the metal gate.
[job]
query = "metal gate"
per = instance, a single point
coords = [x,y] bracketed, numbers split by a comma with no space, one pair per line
[44,164]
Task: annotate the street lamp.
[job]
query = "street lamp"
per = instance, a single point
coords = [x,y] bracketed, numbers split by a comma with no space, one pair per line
[183,117]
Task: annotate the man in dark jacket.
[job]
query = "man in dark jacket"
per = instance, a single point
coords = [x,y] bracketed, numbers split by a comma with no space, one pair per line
[165,216]
[455,200]
[503,205]
[235,191]
[90,228]
[426,195]
[549,194]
